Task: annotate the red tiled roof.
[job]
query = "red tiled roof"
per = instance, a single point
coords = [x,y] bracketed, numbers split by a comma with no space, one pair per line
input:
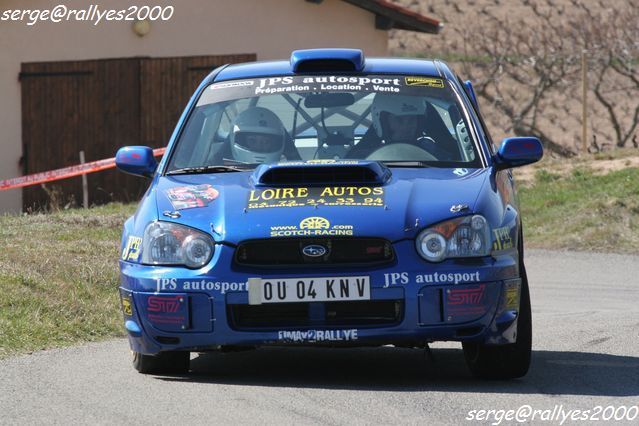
[406,11]
[390,15]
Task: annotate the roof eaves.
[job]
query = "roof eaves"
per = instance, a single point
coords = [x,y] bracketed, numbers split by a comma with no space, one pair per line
[390,15]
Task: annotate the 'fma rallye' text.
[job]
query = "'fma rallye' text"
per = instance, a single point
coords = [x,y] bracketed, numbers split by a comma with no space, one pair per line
[328,200]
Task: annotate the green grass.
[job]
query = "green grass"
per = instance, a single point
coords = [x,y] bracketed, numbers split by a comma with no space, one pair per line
[582,211]
[59,278]
[59,271]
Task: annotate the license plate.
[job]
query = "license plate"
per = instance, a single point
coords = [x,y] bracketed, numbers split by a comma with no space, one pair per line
[324,289]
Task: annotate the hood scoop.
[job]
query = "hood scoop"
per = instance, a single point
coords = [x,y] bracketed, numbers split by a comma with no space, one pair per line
[322,173]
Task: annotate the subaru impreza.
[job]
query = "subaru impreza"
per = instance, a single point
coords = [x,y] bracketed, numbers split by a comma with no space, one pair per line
[331,200]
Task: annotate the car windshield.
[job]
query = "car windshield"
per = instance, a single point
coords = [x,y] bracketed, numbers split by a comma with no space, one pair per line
[399,120]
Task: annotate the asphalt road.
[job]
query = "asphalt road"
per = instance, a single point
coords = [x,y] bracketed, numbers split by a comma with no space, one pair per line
[586,353]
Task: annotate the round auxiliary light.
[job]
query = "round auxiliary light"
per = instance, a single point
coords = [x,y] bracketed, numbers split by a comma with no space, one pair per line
[197,252]
[432,245]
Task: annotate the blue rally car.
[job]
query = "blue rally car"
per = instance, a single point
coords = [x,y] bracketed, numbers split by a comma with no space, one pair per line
[330,200]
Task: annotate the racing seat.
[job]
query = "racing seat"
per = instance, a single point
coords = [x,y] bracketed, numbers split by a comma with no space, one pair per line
[436,129]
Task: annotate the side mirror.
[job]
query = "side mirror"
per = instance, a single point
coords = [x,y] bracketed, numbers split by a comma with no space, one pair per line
[136,160]
[515,152]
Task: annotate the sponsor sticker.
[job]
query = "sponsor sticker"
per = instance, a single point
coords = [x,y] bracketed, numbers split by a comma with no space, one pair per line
[240,89]
[127,307]
[401,278]
[242,83]
[425,81]
[466,301]
[192,196]
[164,304]
[168,311]
[132,249]
[511,296]
[175,284]
[326,82]
[447,278]
[298,336]
[314,226]
[503,240]
[316,196]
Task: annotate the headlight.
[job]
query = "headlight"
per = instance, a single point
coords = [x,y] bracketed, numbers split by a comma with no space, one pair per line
[167,243]
[467,236]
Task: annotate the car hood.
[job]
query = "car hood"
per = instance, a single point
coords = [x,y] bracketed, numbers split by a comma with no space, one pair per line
[232,207]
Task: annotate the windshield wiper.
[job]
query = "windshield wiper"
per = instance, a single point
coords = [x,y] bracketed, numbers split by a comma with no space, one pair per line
[205,169]
[405,164]
[237,162]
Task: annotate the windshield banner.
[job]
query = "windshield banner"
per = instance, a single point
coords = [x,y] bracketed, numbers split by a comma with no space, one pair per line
[237,89]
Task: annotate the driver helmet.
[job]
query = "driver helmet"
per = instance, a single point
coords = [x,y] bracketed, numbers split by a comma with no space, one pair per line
[385,104]
[257,136]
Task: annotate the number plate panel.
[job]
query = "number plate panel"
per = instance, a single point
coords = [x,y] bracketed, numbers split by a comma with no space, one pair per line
[322,289]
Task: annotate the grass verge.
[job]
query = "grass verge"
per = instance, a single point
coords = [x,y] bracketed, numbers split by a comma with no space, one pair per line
[582,210]
[58,278]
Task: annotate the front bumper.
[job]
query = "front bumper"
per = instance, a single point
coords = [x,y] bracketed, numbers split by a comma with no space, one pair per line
[412,302]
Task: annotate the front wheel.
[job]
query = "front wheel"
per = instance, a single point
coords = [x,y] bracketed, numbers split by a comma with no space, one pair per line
[162,363]
[507,361]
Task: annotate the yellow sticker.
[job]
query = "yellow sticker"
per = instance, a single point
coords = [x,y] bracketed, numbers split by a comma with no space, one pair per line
[512,298]
[132,249]
[126,306]
[315,196]
[503,241]
[425,81]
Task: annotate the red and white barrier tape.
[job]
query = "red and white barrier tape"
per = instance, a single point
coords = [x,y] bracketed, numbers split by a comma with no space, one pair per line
[64,173]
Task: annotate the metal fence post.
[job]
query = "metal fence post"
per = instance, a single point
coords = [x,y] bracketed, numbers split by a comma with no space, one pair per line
[584,101]
[85,184]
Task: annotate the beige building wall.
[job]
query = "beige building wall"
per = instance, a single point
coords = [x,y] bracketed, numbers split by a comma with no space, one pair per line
[270,28]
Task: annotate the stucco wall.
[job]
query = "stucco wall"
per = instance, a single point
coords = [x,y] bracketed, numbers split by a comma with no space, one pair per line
[270,28]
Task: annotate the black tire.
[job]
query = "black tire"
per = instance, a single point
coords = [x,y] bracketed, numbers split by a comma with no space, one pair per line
[162,363]
[506,361]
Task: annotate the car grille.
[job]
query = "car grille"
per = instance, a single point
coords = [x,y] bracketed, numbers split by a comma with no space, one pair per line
[316,314]
[350,251]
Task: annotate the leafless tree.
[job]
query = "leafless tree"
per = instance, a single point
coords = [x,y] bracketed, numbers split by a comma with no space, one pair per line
[613,46]
[527,67]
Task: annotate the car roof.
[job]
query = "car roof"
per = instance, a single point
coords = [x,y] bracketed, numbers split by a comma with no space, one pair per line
[409,66]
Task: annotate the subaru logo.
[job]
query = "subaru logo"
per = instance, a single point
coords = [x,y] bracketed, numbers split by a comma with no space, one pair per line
[314,250]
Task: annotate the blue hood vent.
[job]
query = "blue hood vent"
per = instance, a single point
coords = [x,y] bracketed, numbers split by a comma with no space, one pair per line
[327,60]
[318,174]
